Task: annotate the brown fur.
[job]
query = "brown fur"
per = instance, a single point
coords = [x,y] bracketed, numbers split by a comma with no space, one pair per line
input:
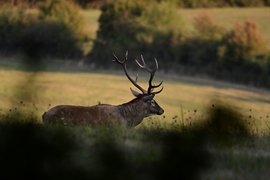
[129,114]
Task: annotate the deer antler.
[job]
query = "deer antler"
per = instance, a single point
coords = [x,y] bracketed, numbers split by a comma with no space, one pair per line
[123,64]
[144,66]
[152,74]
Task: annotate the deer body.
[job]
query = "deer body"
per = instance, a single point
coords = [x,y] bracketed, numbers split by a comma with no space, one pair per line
[128,114]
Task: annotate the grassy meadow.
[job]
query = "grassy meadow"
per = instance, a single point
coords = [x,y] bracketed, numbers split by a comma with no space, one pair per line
[184,99]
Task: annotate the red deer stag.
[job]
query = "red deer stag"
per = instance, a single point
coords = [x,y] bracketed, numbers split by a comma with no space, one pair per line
[129,114]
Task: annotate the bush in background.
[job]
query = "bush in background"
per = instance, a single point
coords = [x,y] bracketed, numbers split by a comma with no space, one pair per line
[135,25]
[201,48]
[64,11]
[49,39]
[244,40]
[12,21]
[239,55]
[55,31]
[243,55]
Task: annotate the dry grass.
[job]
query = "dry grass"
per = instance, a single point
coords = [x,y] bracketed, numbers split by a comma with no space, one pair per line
[40,91]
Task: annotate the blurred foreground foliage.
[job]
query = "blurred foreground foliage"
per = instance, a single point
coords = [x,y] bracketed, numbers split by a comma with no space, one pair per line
[32,150]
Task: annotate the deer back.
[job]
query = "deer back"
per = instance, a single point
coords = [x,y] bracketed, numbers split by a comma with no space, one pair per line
[102,114]
[128,114]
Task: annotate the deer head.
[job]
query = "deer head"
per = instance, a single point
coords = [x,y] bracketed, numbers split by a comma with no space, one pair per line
[147,96]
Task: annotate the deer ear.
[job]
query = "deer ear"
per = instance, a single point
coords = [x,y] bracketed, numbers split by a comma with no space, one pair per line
[135,93]
[148,97]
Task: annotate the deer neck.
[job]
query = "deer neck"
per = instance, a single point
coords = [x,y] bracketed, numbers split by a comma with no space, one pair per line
[133,112]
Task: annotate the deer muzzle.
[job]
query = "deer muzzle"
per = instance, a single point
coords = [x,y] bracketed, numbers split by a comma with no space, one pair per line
[161,111]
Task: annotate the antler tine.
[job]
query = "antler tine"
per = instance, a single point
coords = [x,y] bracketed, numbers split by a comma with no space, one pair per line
[152,74]
[123,64]
[157,91]
[156,68]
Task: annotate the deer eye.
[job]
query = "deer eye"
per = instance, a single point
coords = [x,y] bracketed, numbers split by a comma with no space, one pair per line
[152,102]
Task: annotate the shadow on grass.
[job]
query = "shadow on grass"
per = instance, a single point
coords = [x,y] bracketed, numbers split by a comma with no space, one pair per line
[32,150]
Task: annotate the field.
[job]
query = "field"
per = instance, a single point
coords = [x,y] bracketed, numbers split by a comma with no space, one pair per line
[181,97]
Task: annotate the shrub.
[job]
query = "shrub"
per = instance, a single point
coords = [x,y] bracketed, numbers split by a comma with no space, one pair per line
[57,31]
[64,11]
[51,39]
[201,48]
[206,29]
[144,27]
[11,23]
[242,41]
[244,3]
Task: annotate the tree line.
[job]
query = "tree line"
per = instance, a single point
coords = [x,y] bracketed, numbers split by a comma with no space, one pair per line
[179,3]
[151,28]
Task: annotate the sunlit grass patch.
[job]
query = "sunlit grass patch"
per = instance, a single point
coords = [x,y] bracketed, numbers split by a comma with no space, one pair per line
[182,101]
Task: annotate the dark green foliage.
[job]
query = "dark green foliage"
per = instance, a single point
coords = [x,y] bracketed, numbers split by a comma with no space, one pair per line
[63,11]
[20,3]
[243,41]
[201,49]
[243,54]
[54,39]
[12,21]
[238,55]
[55,32]
[221,3]
[147,28]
